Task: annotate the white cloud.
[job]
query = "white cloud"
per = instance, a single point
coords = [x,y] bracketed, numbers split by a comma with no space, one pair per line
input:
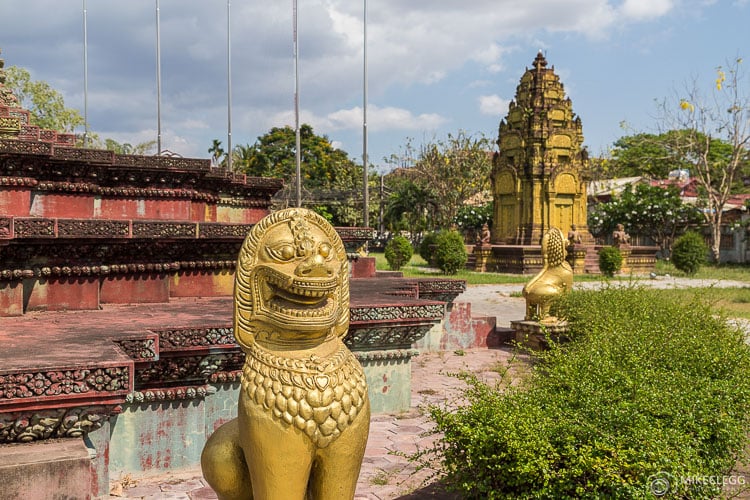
[411,44]
[491,57]
[645,9]
[493,105]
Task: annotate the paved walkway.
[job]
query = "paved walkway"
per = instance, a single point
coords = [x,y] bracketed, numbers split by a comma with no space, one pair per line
[385,474]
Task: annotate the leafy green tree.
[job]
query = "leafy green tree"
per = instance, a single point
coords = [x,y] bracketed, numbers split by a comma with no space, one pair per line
[713,138]
[241,155]
[143,148]
[409,207]
[46,105]
[331,181]
[653,211]
[647,155]
[454,170]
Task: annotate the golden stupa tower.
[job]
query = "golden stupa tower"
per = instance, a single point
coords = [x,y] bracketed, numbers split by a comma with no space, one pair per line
[538,177]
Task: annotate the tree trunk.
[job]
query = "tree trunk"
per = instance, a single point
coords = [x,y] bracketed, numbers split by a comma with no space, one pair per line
[716,239]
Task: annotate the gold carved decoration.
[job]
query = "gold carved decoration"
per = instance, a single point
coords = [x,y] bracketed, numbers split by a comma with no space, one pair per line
[304,414]
[539,139]
[555,278]
[566,184]
[505,183]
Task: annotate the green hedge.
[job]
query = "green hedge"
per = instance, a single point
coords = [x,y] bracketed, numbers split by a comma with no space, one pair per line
[610,261]
[398,252]
[425,251]
[450,252]
[646,388]
[689,252]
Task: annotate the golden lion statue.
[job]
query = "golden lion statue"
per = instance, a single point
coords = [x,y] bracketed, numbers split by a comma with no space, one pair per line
[304,415]
[555,278]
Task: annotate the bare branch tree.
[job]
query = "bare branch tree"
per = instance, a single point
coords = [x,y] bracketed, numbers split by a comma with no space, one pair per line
[711,132]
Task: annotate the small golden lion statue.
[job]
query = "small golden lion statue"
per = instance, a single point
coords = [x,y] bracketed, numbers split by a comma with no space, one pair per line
[304,414]
[555,278]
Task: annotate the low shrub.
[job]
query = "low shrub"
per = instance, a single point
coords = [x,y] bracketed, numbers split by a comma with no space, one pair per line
[398,252]
[425,251]
[610,261]
[450,252]
[647,391]
[689,252]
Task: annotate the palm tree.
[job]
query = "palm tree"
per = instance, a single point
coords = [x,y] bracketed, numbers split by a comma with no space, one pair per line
[241,157]
[217,152]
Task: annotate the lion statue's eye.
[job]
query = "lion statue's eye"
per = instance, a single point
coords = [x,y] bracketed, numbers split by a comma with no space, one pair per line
[324,250]
[282,251]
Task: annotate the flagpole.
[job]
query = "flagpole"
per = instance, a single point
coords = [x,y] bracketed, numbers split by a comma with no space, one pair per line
[366,194]
[158,82]
[297,139]
[85,78]
[229,85]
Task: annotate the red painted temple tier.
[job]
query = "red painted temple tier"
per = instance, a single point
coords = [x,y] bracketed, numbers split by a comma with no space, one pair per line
[116,281]
[116,278]
[90,230]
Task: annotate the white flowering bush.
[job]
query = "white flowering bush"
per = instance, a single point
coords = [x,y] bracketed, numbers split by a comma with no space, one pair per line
[656,212]
[470,218]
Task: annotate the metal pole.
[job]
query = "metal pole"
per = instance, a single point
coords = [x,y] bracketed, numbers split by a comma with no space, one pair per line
[297,140]
[366,194]
[381,228]
[229,85]
[158,82]
[85,78]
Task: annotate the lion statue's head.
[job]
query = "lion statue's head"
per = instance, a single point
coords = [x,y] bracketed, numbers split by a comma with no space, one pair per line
[292,281]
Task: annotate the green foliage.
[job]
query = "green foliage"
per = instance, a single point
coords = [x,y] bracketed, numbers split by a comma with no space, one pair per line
[428,240]
[329,177]
[218,155]
[610,261]
[143,148]
[445,173]
[471,218]
[450,252]
[653,211]
[46,104]
[647,155]
[398,252]
[689,252]
[644,386]
[408,206]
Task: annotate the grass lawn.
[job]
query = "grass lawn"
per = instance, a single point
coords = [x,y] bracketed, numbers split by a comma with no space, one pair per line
[734,301]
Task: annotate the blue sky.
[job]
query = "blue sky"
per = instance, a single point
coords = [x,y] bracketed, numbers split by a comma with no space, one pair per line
[434,66]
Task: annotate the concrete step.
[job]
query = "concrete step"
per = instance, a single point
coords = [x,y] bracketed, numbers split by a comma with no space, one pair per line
[57,468]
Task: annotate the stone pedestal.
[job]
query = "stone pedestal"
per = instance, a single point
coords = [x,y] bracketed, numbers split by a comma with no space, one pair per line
[625,251]
[534,334]
[482,255]
[577,257]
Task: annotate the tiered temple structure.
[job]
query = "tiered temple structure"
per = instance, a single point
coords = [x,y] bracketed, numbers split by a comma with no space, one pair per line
[538,174]
[116,278]
[539,179]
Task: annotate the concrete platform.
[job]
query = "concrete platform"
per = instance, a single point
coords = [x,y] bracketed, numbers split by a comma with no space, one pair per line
[46,469]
